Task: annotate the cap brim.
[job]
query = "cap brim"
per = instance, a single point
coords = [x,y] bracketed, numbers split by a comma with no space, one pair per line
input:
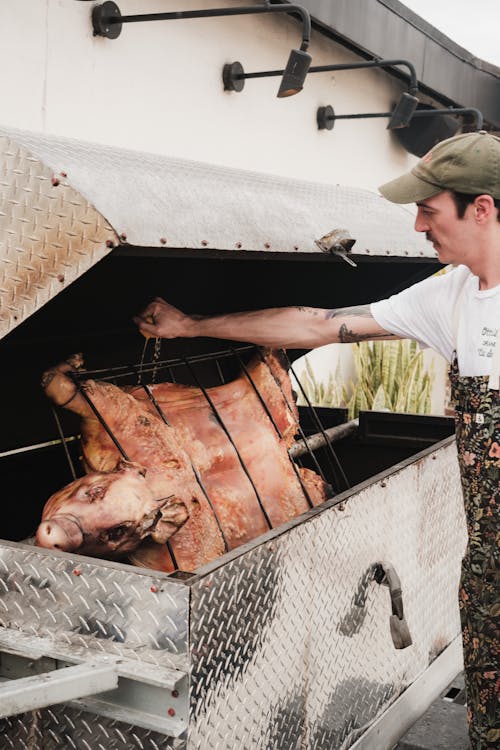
[409,189]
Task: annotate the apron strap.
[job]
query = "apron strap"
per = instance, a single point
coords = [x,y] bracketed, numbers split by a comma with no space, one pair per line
[494,381]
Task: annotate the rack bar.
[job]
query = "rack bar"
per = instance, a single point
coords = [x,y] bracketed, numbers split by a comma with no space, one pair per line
[330,435]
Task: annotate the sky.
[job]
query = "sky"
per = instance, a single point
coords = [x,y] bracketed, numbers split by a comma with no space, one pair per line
[473,25]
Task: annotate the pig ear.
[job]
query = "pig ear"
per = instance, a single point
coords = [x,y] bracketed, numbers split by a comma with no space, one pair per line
[123,465]
[174,514]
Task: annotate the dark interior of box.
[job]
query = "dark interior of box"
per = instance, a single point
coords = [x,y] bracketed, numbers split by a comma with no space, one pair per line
[94,316]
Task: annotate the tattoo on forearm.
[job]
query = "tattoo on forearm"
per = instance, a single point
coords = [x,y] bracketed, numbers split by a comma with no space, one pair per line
[309,310]
[362,311]
[347,336]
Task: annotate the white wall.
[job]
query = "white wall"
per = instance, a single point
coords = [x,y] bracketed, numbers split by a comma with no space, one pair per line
[158,88]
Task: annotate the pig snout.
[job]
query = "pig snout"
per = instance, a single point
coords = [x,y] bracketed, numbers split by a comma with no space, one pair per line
[59,532]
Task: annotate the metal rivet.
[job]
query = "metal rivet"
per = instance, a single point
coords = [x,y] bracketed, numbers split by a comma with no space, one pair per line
[77,572]
[60,277]
[55,181]
[110,243]
[238,245]
[204,243]
[63,174]
[123,236]
[154,589]
[163,240]
[175,693]
[267,245]
[171,711]
[295,247]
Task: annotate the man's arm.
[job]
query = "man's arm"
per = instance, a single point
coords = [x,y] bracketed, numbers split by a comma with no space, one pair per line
[280,327]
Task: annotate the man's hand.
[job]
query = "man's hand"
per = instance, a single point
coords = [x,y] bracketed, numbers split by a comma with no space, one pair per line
[161,320]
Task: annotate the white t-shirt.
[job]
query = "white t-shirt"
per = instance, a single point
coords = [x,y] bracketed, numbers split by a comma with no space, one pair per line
[445,313]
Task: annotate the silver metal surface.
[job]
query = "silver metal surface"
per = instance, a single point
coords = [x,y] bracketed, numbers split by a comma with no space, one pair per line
[49,234]
[416,699]
[289,638]
[63,728]
[96,606]
[290,643]
[19,644]
[56,686]
[157,201]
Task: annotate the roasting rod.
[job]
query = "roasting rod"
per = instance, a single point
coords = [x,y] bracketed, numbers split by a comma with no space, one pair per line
[311,443]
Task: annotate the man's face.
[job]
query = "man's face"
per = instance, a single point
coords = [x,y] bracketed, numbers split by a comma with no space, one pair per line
[454,239]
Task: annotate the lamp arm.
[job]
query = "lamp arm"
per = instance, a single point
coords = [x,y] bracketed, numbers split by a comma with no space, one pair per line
[413,88]
[101,20]
[452,111]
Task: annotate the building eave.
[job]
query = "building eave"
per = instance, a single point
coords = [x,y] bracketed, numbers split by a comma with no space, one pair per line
[388,29]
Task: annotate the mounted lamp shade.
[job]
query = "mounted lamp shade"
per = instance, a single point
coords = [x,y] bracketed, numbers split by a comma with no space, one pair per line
[107,21]
[295,73]
[430,126]
[293,77]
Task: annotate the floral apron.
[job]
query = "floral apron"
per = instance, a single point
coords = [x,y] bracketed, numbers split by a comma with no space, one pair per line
[478,442]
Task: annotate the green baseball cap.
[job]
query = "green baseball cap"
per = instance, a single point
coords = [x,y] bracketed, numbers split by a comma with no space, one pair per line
[468,163]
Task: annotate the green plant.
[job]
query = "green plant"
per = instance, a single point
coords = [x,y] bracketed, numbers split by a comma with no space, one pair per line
[390,375]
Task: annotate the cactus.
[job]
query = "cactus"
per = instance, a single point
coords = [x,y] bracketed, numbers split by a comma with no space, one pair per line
[389,376]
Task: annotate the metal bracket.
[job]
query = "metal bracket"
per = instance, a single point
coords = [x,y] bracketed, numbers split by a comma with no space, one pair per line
[56,686]
[36,673]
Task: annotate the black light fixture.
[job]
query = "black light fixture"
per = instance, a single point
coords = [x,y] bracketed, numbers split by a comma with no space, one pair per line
[399,118]
[234,78]
[107,21]
[430,126]
[417,138]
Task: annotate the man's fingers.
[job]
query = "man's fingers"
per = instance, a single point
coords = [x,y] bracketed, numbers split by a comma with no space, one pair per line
[144,326]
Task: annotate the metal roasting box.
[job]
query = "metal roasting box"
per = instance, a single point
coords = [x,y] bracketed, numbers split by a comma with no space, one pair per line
[312,635]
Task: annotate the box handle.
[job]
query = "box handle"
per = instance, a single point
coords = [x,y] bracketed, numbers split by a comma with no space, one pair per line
[385,573]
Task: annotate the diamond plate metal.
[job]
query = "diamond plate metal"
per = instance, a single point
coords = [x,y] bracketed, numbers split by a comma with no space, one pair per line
[60,728]
[159,201]
[290,643]
[49,234]
[94,606]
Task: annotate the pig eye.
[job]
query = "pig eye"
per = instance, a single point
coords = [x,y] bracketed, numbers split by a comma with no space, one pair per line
[115,533]
[95,493]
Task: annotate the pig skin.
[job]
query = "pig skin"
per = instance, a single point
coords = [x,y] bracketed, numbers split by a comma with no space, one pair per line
[263,452]
[150,444]
[195,438]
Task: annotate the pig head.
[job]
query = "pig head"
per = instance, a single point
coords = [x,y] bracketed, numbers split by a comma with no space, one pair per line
[109,513]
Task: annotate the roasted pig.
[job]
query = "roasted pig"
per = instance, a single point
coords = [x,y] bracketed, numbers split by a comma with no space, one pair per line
[217,470]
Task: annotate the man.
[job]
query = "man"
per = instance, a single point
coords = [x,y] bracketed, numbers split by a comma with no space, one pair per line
[456,188]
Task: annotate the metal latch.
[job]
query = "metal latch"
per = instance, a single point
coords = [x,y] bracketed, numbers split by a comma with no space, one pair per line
[36,672]
[384,573]
[337,242]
